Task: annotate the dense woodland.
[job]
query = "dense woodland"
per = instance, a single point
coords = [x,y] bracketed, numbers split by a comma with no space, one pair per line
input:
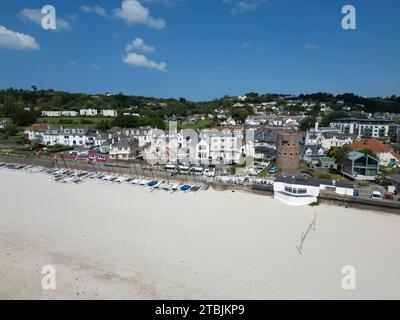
[153,111]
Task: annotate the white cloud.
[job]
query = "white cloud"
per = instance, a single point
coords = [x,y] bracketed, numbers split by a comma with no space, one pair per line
[36,16]
[95,66]
[240,6]
[96,9]
[139,45]
[15,40]
[311,47]
[139,60]
[132,11]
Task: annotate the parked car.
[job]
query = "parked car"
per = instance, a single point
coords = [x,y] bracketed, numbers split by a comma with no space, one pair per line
[389,196]
[376,195]
[273,170]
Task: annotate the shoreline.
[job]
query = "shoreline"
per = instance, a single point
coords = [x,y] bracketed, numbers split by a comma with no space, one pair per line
[338,201]
[121,241]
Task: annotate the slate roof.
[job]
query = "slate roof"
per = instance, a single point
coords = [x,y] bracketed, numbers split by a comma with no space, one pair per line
[311,182]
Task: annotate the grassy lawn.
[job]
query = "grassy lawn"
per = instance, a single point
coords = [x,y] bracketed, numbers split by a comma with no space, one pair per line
[329,175]
[202,124]
[73,122]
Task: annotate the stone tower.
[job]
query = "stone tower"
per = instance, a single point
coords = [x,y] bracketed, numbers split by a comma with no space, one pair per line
[288,151]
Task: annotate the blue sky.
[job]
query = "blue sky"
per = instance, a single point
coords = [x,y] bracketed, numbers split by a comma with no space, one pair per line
[202,49]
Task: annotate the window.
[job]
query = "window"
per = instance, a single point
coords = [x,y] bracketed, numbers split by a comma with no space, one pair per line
[299,191]
[289,189]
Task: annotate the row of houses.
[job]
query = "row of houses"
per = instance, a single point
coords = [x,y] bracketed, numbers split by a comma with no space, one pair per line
[83,112]
[319,141]
[382,129]
[217,145]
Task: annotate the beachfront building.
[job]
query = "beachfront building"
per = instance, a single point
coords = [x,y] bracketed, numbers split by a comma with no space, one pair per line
[144,135]
[300,191]
[77,137]
[203,151]
[109,113]
[225,144]
[385,152]
[170,147]
[35,131]
[51,136]
[124,149]
[360,166]
[88,112]
[369,128]
[329,137]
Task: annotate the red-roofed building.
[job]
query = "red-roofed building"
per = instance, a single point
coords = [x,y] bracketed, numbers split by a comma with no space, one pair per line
[384,152]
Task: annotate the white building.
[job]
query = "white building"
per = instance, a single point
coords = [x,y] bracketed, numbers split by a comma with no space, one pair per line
[65,136]
[69,113]
[109,113]
[369,128]
[299,191]
[51,113]
[203,151]
[76,137]
[88,112]
[329,137]
[225,147]
[144,135]
[123,149]
[50,137]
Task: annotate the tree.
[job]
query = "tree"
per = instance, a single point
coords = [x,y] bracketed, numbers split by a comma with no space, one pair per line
[369,152]
[339,153]
[126,121]
[240,115]
[327,119]
[358,115]
[23,118]
[307,123]
[11,129]
[103,125]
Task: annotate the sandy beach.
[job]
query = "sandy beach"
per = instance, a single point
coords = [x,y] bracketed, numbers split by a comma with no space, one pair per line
[125,242]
